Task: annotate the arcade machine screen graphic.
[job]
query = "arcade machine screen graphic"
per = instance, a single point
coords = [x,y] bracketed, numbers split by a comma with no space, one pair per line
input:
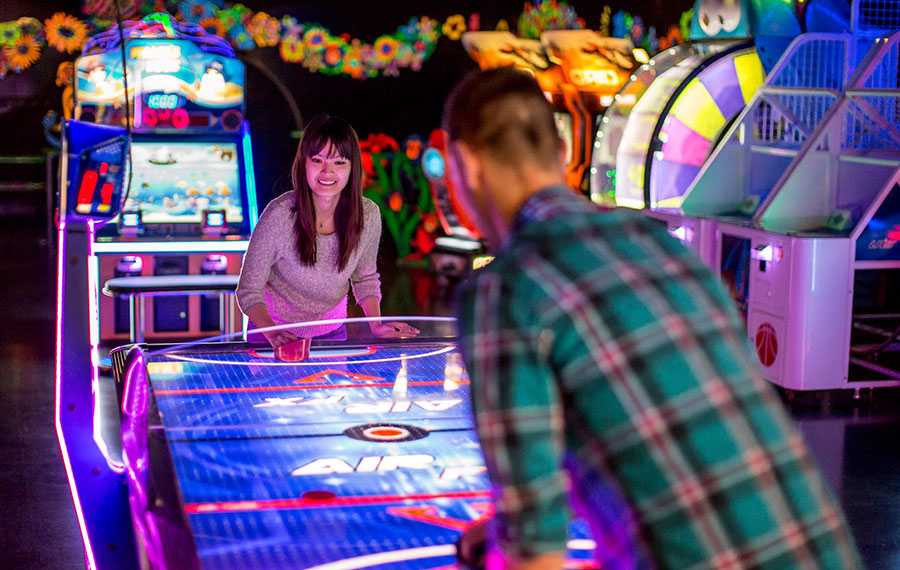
[174,182]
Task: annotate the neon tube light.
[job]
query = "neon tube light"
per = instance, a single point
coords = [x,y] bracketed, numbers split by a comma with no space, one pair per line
[248,175]
[60,300]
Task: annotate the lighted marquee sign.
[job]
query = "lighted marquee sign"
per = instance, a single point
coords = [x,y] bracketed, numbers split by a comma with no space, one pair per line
[590,61]
[594,77]
[171,84]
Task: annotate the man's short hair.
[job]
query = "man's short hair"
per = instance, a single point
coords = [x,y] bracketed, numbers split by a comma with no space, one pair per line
[503,112]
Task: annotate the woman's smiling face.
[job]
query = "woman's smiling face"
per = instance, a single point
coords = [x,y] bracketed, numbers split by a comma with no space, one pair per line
[327,172]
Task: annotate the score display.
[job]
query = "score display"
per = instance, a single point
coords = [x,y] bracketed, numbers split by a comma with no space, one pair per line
[164,101]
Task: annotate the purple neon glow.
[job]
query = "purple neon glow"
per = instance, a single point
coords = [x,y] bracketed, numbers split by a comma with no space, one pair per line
[132,29]
[134,452]
[93,289]
[60,300]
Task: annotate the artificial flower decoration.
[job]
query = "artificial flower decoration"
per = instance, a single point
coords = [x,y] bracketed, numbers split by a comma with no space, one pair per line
[474,22]
[454,27]
[265,29]
[385,48]
[672,38]
[107,9]
[395,201]
[334,53]
[413,148]
[428,29]
[9,33]
[213,26]
[4,65]
[65,33]
[291,49]
[64,73]
[291,27]
[240,38]
[315,38]
[25,52]
[547,15]
[31,27]
[196,10]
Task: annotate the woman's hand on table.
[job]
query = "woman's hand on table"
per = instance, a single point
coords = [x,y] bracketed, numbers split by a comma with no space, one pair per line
[393,329]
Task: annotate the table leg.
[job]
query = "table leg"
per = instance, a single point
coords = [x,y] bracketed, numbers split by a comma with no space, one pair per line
[135,318]
[226,314]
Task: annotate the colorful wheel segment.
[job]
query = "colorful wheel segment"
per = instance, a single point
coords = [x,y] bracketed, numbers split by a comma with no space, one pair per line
[696,120]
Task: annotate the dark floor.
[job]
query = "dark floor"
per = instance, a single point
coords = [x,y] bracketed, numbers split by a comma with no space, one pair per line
[857,445]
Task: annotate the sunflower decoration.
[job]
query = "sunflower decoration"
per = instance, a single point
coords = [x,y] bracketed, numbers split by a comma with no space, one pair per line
[454,27]
[213,26]
[265,29]
[315,38]
[386,48]
[65,33]
[24,53]
[291,49]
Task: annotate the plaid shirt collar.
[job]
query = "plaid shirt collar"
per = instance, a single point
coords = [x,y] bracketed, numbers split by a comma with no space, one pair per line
[544,205]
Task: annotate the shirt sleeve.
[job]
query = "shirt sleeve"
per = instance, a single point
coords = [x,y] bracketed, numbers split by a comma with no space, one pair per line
[365,279]
[262,252]
[518,415]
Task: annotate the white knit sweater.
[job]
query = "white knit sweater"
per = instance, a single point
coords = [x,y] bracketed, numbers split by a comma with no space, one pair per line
[272,273]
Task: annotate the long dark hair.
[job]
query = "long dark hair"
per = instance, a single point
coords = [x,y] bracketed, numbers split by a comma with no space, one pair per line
[321,131]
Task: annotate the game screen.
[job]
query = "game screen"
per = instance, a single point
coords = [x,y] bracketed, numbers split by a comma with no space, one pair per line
[174,182]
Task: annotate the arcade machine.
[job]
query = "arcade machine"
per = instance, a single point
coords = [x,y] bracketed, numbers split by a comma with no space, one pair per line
[755,157]
[461,249]
[592,68]
[664,123]
[191,202]
[824,267]
[169,191]
[579,72]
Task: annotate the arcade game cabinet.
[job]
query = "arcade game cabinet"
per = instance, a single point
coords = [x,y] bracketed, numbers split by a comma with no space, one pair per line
[190,201]
[156,178]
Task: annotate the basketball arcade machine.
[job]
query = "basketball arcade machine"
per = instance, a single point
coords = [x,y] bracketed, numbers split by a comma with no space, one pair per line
[821,302]
[659,132]
[184,114]
[192,201]
[772,148]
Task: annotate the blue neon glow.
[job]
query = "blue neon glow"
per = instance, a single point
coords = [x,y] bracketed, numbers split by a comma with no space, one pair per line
[248,174]
[433,163]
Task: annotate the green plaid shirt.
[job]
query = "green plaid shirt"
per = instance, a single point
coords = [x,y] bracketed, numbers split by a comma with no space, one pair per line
[597,341]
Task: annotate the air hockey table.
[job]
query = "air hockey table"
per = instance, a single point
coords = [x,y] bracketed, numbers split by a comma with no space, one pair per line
[361,456]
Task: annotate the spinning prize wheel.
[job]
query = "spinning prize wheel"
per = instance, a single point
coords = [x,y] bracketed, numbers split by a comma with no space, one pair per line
[695,120]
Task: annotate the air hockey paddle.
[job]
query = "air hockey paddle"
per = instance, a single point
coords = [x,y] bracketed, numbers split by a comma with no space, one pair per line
[296,351]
